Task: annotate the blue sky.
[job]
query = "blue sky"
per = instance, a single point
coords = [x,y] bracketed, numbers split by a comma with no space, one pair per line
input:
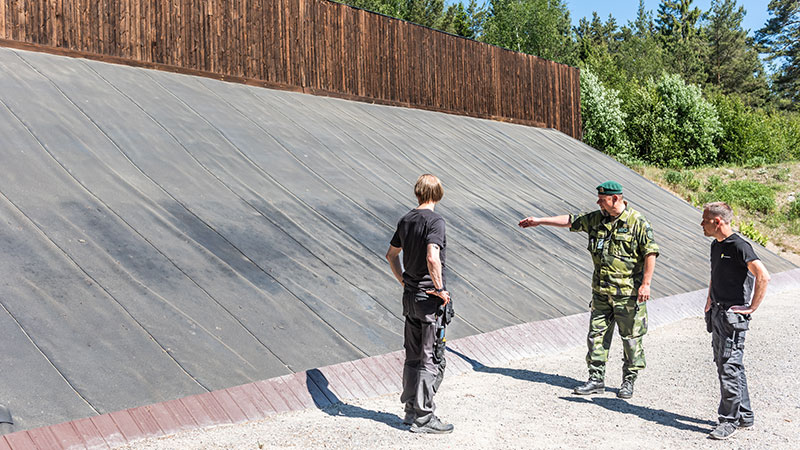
[625,10]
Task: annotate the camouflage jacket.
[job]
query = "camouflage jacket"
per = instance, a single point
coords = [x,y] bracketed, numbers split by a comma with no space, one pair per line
[618,246]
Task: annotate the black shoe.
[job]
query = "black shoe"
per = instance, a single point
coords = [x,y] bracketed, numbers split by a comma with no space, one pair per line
[591,387]
[742,424]
[433,426]
[626,390]
[723,431]
[409,418]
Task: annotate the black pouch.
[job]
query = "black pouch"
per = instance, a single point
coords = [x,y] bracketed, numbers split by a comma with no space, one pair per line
[739,322]
[708,320]
[449,312]
[446,312]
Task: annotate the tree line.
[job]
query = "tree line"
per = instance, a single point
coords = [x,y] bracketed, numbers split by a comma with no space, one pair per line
[675,87]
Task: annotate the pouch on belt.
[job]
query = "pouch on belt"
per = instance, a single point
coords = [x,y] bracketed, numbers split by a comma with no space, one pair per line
[739,322]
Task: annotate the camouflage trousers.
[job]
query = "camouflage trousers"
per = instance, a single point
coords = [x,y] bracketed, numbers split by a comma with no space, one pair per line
[631,319]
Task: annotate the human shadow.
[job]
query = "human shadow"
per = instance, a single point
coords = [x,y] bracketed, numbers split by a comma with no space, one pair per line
[521,374]
[6,422]
[329,403]
[5,415]
[658,416]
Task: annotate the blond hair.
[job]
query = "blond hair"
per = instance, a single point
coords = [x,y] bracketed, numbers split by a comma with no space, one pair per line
[428,189]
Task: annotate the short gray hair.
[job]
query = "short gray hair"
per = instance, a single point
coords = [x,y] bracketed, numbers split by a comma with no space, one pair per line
[719,209]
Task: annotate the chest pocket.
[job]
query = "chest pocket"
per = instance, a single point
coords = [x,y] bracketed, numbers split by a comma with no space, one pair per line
[597,242]
[622,245]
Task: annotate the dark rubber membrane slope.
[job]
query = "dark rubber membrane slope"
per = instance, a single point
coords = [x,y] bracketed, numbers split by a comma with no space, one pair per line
[164,235]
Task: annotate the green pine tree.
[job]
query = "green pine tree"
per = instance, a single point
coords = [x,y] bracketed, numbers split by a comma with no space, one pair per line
[682,38]
[780,37]
[732,62]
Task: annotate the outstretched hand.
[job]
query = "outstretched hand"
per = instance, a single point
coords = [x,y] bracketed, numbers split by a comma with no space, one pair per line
[529,222]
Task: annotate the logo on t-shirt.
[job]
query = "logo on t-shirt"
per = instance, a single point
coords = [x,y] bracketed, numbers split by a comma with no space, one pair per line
[724,256]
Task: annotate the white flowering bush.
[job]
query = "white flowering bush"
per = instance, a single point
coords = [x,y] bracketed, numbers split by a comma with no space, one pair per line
[602,116]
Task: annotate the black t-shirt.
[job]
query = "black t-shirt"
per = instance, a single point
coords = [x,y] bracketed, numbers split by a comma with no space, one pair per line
[731,282]
[415,231]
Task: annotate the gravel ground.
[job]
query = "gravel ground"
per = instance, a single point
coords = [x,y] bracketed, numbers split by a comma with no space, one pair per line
[528,403]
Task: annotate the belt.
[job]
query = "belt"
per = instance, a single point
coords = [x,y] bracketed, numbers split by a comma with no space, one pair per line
[725,305]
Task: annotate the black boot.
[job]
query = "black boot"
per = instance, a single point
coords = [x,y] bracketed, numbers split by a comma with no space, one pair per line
[626,390]
[592,386]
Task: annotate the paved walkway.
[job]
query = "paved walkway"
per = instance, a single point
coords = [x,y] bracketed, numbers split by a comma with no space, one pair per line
[528,403]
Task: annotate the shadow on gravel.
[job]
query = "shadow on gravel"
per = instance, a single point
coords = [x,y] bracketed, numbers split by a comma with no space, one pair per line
[329,403]
[658,416]
[521,374]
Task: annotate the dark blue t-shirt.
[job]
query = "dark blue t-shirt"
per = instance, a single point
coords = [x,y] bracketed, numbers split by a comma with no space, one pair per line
[731,281]
[415,231]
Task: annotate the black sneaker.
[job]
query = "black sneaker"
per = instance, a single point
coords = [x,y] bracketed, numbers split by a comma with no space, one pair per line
[743,424]
[626,390]
[723,431]
[409,418]
[590,387]
[432,426]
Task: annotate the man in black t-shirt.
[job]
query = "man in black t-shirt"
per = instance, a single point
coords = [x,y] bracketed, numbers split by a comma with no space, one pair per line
[737,276]
[420,236]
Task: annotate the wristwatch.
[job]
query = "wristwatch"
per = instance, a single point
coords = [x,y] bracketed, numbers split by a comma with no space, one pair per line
[438,290]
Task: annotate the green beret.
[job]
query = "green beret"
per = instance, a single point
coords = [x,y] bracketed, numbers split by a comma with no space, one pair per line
[610,188]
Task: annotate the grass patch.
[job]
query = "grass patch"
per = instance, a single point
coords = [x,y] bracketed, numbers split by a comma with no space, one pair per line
[765,198]
[793,227]
[751,195]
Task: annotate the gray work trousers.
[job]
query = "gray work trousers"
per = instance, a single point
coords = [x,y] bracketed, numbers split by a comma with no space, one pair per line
[421,375]
[728,344]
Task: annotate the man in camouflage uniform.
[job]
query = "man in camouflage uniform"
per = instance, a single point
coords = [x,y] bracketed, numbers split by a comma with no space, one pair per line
[624,256]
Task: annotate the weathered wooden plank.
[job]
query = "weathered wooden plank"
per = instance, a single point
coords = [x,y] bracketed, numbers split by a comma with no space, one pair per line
[3,29]
[309,44]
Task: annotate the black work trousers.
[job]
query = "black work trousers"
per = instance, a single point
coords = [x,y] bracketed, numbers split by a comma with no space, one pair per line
[421,374]
[728,344]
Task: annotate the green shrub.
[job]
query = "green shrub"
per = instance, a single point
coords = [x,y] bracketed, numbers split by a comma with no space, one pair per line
[793,209]
[782,129]
[630,160]
[684,178]
[742,135]
[749,229]
[671,125]
[673,177]
[694,199]
[752,137]
[755,162]
[602,116]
